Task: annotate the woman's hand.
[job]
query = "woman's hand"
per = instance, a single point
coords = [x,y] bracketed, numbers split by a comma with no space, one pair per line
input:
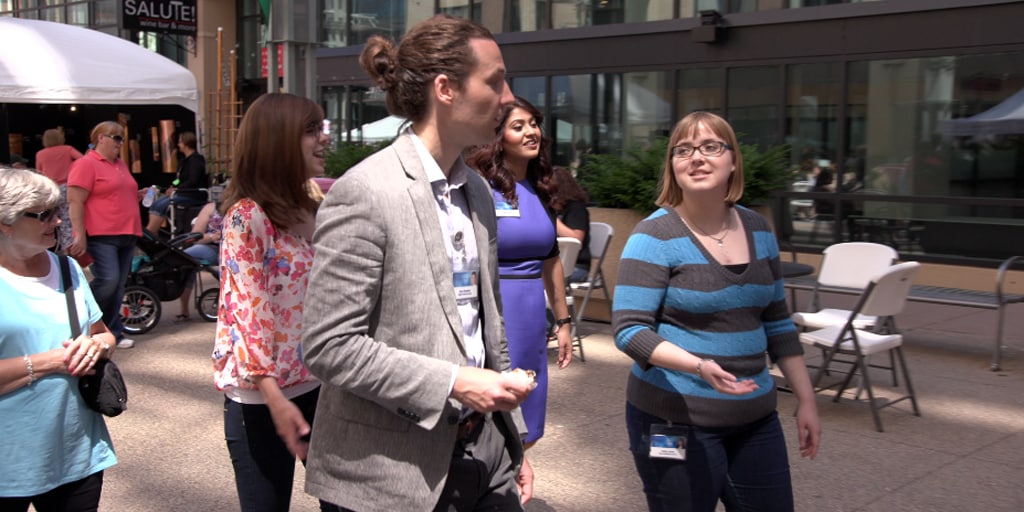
[81,354]
[78,246]
[291,426]
[723,381]
[564,335]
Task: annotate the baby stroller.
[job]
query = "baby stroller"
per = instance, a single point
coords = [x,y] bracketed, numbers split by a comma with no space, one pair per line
[159,274]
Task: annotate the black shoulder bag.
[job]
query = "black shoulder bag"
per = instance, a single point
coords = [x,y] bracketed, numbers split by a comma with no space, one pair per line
[103,391]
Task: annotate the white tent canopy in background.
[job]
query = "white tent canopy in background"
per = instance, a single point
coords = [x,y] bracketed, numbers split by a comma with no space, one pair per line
[379,130]
[54,63]
[1006,118]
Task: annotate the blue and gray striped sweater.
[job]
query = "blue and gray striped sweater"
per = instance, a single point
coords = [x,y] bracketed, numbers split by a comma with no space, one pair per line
[670,288]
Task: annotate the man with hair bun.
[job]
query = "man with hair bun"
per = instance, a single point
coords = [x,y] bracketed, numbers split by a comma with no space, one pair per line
[419,410]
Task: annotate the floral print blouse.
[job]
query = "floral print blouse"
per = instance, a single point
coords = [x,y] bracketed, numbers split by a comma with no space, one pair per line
[264,273]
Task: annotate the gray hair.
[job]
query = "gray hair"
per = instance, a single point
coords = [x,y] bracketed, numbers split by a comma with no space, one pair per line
[22,190]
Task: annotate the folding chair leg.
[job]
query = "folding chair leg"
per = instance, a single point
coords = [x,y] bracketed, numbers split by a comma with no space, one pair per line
[871,394]
[906,379]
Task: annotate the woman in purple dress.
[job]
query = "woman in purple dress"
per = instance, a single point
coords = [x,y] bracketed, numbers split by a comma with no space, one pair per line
[516,166]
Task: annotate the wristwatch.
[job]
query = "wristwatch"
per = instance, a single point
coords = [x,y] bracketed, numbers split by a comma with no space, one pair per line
[563,321]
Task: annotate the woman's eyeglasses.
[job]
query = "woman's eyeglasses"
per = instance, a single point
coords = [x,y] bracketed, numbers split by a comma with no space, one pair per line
[711,148]
[43,216]
[116,138]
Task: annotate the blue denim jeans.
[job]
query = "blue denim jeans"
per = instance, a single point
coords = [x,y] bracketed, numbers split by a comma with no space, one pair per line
[746,467]
[112,261]
[264,468]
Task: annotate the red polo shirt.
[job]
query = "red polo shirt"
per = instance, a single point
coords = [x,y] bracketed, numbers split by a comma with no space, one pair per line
[112,206]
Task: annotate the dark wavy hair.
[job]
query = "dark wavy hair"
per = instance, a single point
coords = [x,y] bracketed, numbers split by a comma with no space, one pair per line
[489,161]
[568,189]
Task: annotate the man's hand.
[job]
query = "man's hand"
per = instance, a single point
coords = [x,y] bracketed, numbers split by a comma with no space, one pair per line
[486,390]
[525,481]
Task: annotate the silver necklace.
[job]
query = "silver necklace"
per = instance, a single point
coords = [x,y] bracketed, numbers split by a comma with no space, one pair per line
[719,240]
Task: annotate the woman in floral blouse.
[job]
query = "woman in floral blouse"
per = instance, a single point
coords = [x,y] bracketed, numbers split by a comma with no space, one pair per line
[265,258]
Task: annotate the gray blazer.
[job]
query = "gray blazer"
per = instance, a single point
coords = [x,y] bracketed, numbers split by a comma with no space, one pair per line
[382,332]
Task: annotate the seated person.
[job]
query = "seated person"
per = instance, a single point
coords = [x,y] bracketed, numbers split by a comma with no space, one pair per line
[192,176]
[206,249]
[573,220]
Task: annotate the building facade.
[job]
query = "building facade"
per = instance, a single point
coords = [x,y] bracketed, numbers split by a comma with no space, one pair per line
[912,107]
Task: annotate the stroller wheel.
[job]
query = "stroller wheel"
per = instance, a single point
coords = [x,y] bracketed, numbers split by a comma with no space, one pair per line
[140,310]
[206,305]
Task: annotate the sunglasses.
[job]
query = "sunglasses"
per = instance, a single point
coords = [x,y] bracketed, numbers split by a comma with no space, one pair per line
[115,138]
[44,216]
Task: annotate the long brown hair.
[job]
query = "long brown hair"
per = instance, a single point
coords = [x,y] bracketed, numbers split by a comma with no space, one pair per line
[438,45]
[268,166]
[489,160]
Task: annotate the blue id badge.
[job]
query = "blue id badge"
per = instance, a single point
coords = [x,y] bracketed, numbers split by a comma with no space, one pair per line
[668,442]
[505,209]
[466,284]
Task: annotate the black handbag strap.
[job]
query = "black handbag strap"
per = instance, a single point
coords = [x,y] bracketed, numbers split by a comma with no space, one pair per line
[69,295]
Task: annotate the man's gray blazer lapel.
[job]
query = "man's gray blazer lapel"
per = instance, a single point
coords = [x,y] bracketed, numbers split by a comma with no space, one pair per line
[422,196]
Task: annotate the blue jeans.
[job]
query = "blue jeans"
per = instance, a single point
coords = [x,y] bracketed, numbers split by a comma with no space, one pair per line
[745,466]
[112,261]
[264,468]
[579,274]
[163,204]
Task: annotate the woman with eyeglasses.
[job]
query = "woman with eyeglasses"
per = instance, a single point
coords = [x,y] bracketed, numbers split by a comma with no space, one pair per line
[55,447]
[103,197]
[698,304]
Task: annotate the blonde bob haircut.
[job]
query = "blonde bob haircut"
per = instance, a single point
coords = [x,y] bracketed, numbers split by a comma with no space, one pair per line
[671,194]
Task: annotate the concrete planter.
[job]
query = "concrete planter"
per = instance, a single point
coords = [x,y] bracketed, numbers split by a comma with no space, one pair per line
[622,221]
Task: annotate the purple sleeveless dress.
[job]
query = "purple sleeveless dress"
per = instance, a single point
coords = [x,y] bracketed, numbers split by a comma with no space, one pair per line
[523,244]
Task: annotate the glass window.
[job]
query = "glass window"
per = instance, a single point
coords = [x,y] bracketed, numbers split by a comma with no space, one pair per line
[753,104]
[78,14]
[812,113]
[527,15]
[459,8]
[582,13]
[55,14]
[6,6]
[352,22]
[647,106]
[572,120]
[106,13]
[701,89]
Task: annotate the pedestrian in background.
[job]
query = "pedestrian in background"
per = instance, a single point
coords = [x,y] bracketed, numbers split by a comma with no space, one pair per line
[403,319]
[103,201]
[265,258]
[573,219]
[54,161]
[699,301]
[55,447]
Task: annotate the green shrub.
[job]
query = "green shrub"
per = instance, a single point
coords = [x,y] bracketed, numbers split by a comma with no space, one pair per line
[627,181]
[347,154]
[631,180]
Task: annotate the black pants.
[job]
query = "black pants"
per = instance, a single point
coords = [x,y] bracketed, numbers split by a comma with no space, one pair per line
[78,496]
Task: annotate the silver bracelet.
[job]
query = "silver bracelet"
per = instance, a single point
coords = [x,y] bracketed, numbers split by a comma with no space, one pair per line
[701,364]
[31,370]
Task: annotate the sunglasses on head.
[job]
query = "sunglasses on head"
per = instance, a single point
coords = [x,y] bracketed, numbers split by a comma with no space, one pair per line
[43,216]
[115,138]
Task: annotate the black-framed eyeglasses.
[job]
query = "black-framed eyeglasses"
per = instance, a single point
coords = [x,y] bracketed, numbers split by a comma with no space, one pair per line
[43,216]
[710,148]
[115,138]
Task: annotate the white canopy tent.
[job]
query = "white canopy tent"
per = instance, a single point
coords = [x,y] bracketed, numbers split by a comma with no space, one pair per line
[1006,118]
[54,63]
[379,130]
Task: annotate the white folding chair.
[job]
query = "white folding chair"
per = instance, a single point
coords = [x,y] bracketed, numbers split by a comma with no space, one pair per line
[884,296]
[568,250]
[600,236]
[845,265]
[848,265]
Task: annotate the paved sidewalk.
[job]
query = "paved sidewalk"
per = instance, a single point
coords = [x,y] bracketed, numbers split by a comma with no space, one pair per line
[963,453]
